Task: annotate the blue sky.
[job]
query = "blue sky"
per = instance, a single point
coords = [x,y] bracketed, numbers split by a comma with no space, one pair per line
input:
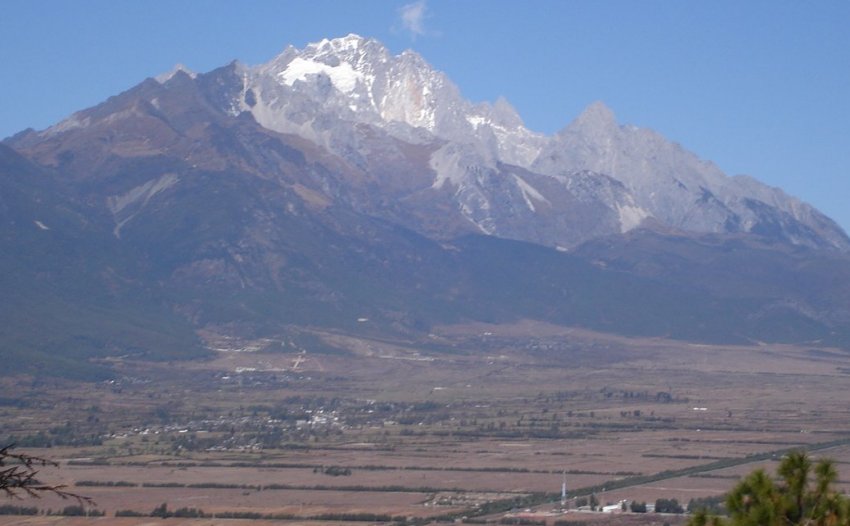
[759,87]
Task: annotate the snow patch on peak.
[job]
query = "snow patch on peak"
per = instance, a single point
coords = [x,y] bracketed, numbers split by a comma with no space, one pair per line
[344,77]
[477,121]
[350,42]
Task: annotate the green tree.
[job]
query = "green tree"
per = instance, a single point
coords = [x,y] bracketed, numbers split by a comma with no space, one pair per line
[702,518]
[668,506]
[795,470]
[801,496]
[161,511]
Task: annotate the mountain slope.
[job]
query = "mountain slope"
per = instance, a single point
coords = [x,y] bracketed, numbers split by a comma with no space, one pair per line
[69,293]
[404,128]
[312,191]
[678,189]
[320,91]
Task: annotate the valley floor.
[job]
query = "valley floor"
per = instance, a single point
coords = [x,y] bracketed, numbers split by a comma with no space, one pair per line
[482,422]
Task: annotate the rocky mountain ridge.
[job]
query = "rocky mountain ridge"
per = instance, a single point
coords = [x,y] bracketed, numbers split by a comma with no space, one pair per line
[398,115]
[314,191]
[357,80]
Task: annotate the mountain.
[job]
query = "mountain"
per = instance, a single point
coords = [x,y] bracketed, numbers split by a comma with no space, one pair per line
[678,189]
[636,173]
[406,129]
[341,183]
[69,292]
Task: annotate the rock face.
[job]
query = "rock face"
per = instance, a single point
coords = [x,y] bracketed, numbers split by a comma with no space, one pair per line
[677,188]
[618,176]
[421,151]
[341,182]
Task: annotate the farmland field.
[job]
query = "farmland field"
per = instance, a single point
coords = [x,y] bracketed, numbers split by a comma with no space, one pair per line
[478,421]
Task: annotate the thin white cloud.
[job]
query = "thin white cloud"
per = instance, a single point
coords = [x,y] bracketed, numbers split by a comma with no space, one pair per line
[413,18]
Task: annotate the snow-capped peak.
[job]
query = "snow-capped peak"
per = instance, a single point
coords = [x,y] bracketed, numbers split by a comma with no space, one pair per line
[350,42]
[358,79]
[343,76]
[345,61]
[354,80]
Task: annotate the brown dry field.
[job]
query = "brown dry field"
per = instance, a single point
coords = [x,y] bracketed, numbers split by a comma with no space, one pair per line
[447,480]
[296,502]
[610,520]
[130,521]
[727,402]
